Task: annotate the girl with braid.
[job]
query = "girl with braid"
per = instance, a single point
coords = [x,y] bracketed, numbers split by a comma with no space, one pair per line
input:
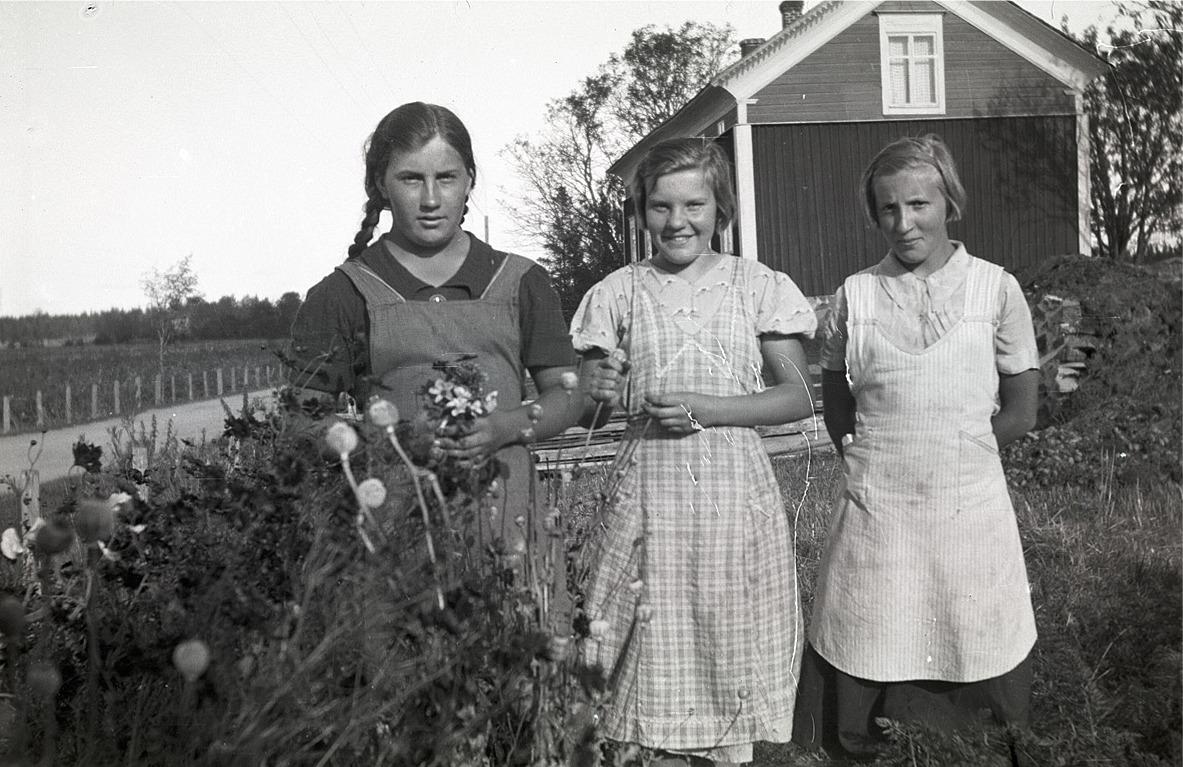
[427,291]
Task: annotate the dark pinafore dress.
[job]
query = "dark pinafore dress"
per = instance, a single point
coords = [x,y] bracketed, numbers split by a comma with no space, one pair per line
[408,337]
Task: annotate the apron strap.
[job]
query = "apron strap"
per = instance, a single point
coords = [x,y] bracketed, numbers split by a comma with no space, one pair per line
[982,283]
[375,290]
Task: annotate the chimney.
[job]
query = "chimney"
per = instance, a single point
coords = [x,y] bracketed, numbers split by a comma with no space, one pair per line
[790,11]
[749,45]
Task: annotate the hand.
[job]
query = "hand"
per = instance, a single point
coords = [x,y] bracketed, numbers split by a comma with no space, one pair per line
[478,441]
[608,379]
[675,411]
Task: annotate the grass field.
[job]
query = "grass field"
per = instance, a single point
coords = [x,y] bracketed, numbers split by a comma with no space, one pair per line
[1106,569]
[24,372]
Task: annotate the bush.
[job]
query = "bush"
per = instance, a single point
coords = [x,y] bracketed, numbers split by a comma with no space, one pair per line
[1124,421]
[321,650]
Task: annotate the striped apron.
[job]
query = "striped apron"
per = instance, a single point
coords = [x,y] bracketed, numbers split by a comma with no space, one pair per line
[923,575]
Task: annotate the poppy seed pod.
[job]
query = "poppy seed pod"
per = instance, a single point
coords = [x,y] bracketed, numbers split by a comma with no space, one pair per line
[94,521]
[12,616]
[191,658]
[341,438]
[10,544]
[53,537]
[371,492]
[43,679]
[569,381]
[383,413]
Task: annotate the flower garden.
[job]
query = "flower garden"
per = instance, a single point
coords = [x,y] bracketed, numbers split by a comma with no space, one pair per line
[311,590]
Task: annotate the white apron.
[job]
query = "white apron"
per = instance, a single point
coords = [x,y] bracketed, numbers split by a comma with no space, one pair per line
[923,574]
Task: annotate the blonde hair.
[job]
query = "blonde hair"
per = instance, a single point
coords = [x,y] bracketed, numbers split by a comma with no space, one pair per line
[680,154]
[926,151]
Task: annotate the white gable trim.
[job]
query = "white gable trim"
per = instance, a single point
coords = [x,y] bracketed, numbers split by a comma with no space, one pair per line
[1015,40]
[776,56]
[745,193]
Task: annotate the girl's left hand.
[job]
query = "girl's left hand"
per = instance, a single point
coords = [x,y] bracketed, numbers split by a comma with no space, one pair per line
[676,411]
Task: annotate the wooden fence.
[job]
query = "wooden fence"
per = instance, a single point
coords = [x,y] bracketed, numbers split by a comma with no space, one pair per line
[96,403]
[574,447]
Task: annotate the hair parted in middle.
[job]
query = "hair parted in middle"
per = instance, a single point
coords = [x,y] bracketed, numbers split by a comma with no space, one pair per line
[927,151]
[407,128]
[680,154]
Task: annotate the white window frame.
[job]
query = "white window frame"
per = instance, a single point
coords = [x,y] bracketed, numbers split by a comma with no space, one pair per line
[633,244]
[913,25]
[727,239]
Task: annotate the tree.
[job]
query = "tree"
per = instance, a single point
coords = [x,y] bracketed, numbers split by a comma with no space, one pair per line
[571,204]
[168,292]
[1135,115]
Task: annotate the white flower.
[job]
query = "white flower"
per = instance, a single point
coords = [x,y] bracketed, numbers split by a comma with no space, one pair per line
[10,544]
[108,553]
[117,501]
[341,438]
[371,493]
[491,401]
[440,390]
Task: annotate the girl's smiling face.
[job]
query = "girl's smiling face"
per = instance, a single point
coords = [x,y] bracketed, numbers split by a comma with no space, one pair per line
[680,216]
[912,214]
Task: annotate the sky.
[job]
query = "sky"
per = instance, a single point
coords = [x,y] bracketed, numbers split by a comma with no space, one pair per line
[134,134]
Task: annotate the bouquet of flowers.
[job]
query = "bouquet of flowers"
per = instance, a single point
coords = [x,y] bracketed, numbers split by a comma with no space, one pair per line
[457,398]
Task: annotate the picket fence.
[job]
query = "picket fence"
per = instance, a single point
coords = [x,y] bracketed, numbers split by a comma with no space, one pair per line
[130,399]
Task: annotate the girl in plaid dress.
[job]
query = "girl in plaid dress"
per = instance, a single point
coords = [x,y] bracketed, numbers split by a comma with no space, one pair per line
[692,594]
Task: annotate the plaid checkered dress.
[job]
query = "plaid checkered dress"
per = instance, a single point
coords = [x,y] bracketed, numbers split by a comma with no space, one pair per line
[692,568]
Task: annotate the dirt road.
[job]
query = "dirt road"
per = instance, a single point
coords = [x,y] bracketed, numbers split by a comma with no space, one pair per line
[189,421]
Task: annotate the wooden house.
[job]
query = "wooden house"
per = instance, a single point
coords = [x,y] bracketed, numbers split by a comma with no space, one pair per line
[803,112]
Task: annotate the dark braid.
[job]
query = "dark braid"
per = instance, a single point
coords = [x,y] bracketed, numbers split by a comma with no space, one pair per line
[407,128]
[373,210]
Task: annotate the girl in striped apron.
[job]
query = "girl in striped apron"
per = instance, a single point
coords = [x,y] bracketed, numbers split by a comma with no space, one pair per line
[922,609]
[692,595]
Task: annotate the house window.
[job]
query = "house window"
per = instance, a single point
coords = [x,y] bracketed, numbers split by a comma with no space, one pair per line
[912,62]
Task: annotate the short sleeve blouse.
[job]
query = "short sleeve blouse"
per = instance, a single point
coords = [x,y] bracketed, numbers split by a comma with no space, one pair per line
[603,319]
[916,312]
[334,316]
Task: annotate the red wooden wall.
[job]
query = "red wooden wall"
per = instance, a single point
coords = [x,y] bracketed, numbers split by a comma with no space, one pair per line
[1019,174]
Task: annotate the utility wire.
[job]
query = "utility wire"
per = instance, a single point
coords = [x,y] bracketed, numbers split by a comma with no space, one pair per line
[361,110]
[259,83]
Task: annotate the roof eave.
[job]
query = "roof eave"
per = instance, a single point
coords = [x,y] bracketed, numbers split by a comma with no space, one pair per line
[707,106]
